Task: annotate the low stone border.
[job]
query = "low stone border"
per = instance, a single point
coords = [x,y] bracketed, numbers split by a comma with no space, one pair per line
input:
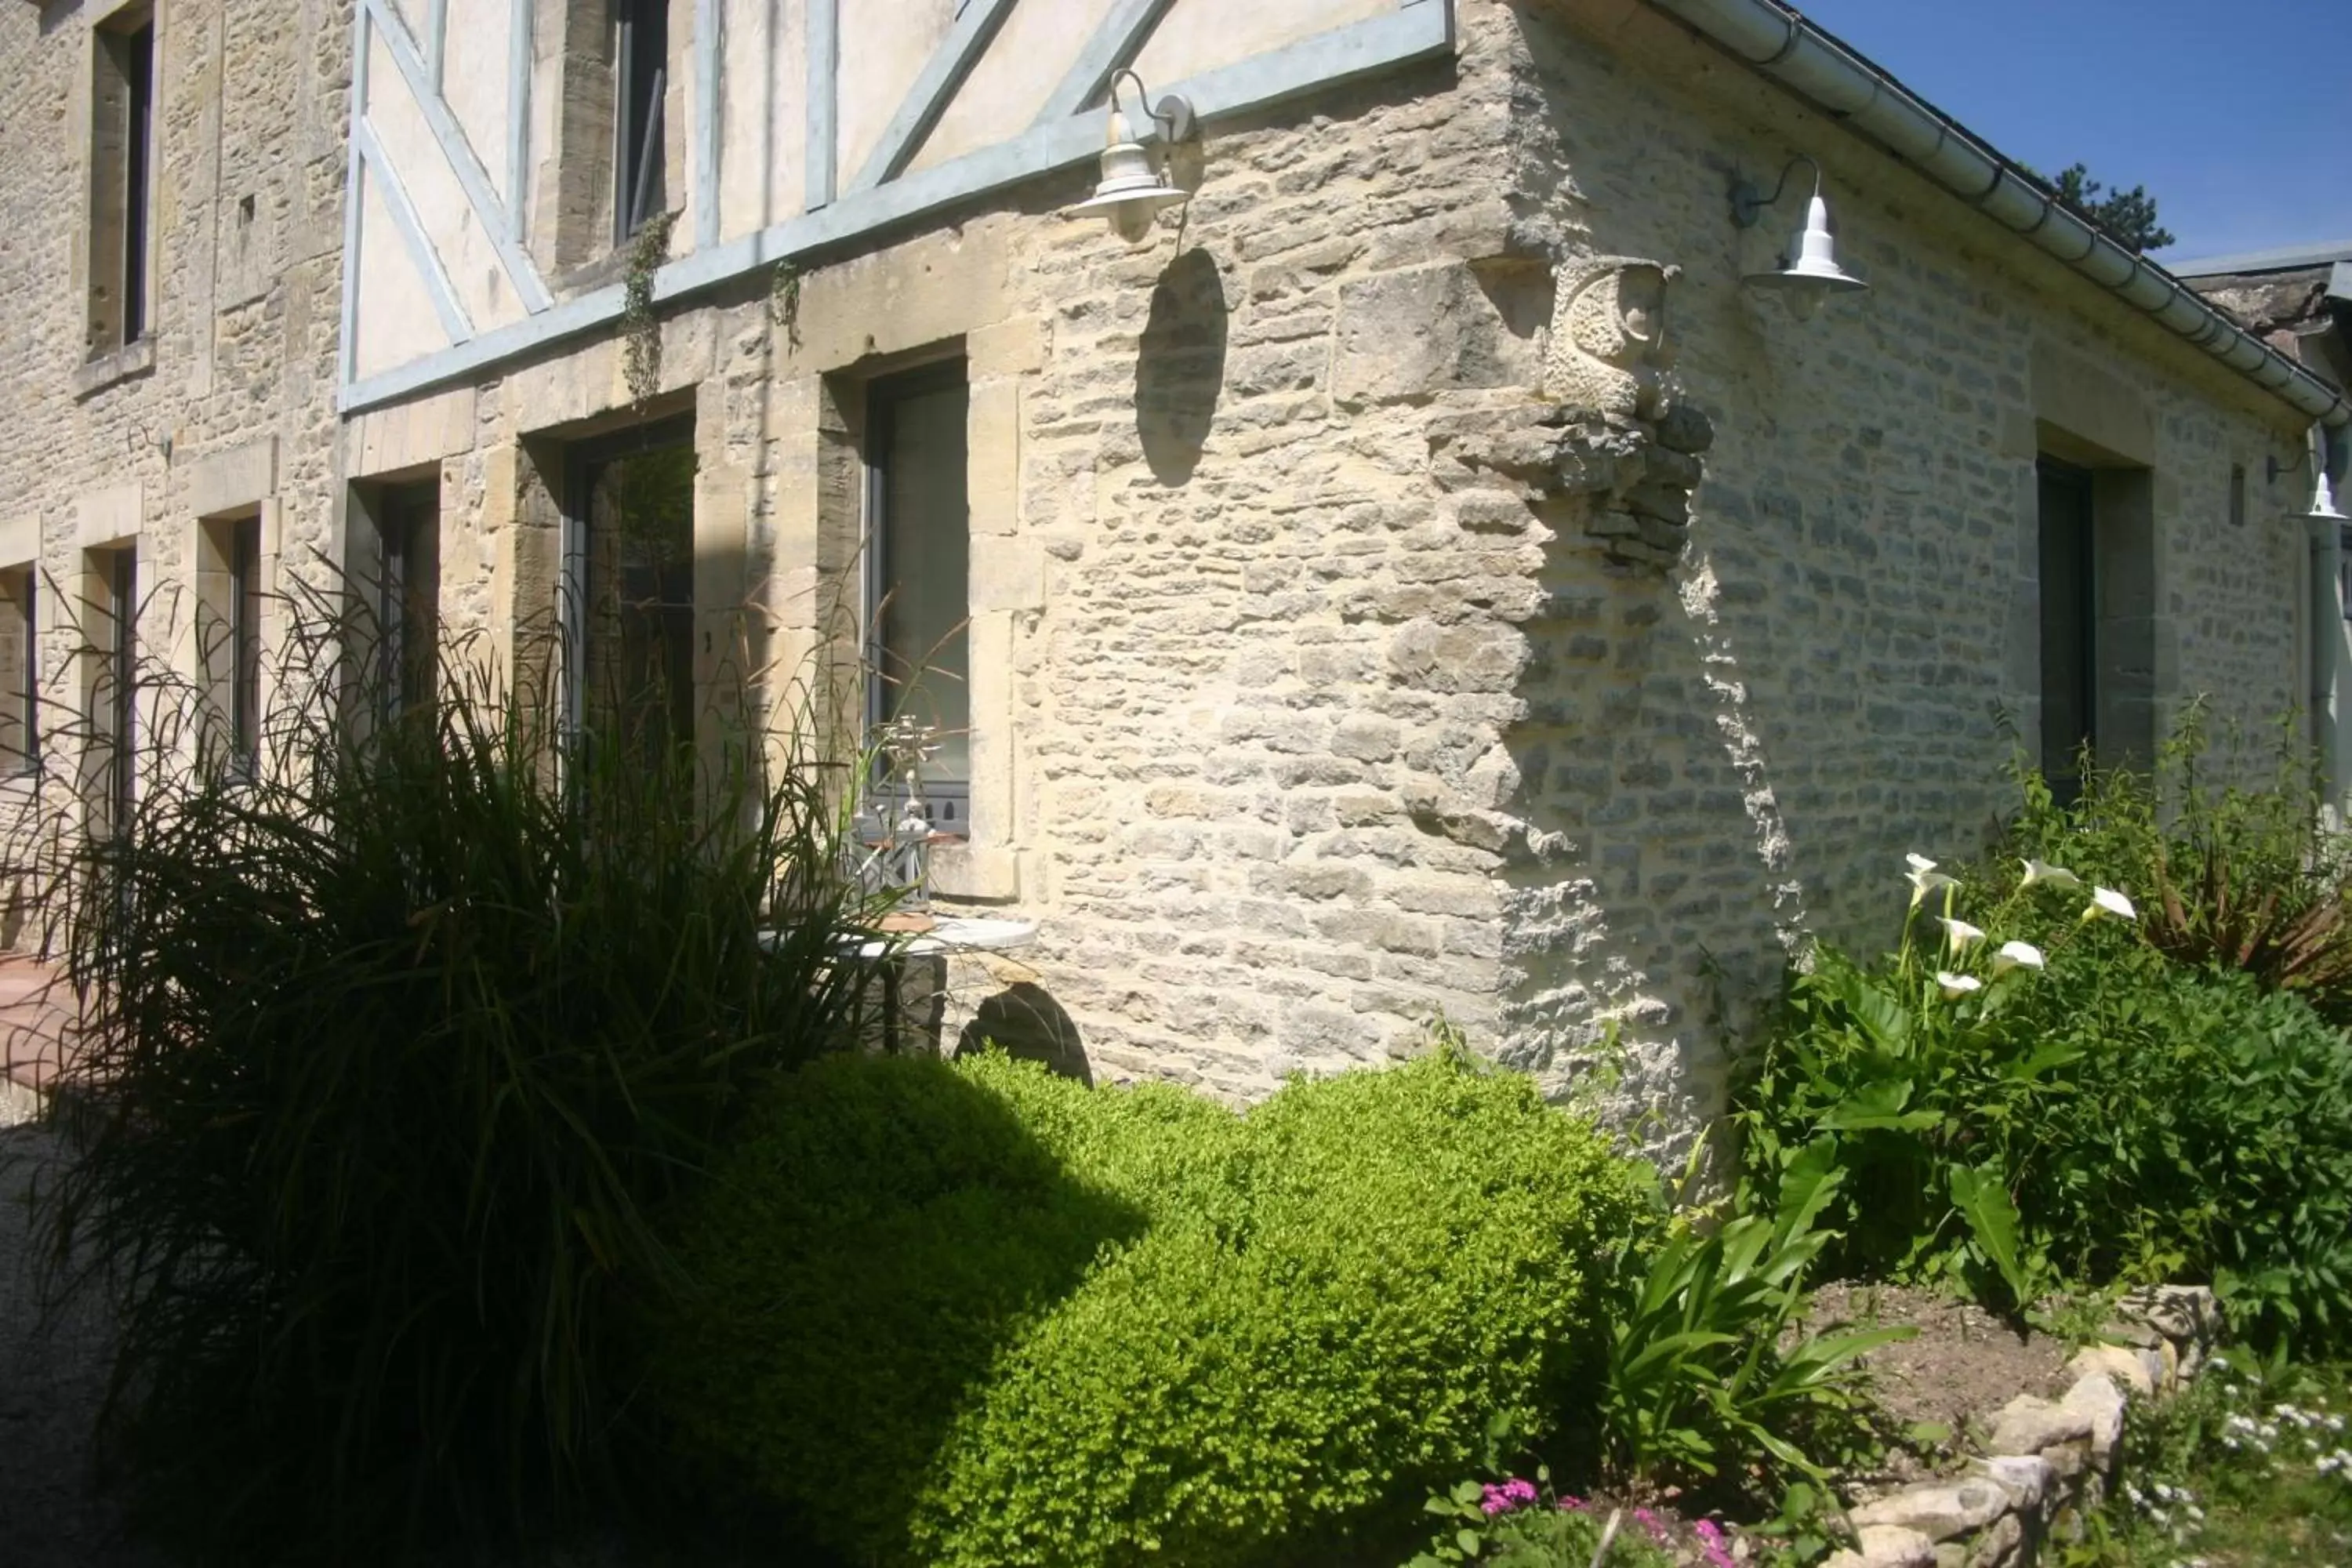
[2049,1461]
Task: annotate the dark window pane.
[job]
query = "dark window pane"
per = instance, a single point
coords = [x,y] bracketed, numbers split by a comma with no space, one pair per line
[139,69]
[245,631]
[644,60]
[922,561]
[409,611]
[2069,624]
[638,657]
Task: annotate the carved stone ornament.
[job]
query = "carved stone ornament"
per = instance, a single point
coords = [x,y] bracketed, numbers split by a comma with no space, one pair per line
[1609,352]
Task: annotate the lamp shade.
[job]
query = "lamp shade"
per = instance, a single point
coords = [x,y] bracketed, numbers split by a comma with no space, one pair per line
[1131,190]
[2323,504]
[1811,273]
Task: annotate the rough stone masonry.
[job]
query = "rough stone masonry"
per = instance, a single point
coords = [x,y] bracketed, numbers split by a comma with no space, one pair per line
[1418,581]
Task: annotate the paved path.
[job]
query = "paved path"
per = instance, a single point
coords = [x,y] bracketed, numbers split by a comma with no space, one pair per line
[36,1016]
[52,1379]
[52,1370]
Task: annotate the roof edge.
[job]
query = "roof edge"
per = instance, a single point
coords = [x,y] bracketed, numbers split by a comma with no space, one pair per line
[1772,39]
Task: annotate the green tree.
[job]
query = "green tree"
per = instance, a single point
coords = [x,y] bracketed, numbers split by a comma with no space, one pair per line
[2128,215]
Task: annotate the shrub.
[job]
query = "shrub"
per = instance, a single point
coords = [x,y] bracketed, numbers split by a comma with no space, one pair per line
[1085,1327]
[2235,878]
[391,1050]
[2097,1109]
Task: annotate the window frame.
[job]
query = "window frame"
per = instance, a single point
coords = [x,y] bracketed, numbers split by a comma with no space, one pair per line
[126,53]
[2054,474]
[640,131]
[24,594]
[948,801]
[582,462]
[110,694]
[409,592]
[243,540]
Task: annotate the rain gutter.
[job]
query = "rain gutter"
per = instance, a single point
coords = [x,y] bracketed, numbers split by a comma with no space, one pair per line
[1775,41]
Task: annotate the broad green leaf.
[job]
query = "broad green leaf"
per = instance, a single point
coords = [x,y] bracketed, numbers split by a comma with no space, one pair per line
[1984,1203]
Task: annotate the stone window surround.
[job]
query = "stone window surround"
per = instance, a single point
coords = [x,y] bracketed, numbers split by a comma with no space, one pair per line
[215,493]
[574,211]
[105,522]
[995,864]
[2082,414]
[20,567]
[111,357]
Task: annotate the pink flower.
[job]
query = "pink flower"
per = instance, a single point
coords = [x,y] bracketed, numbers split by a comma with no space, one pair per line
[1571,1505]
[1650,1522]
[1512,1494]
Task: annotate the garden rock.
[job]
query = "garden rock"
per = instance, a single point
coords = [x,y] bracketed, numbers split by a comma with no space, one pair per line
[2102,1402]
[2031,1426]
[2187,1316]
[2049,1461]
[1940,1509]
[2137,1371]
[1887,1546]
[2002,1546]
[2027,1478]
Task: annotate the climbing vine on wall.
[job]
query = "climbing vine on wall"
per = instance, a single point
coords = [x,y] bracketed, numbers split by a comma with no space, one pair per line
[784,300]
[640,330]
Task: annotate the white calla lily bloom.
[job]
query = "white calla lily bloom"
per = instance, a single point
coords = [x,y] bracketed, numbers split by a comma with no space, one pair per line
[1924,882]
[2042,872]
[1957,985]
[1919,862]
[2106,901]
[2017,955]
[1961,933]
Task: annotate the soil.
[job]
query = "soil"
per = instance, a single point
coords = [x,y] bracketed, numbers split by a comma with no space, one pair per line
[1962,1367]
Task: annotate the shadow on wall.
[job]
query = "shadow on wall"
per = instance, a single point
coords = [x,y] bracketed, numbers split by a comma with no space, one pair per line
[1180,366]
[1027,1022]
[1651,883]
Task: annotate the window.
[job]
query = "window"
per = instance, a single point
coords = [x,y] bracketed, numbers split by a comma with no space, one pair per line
[122,146]
[918,554]
[20,673]
[228,631]
[113,712]
[641,60]
[2069,624]
[629,591]
[408,604]
[2237,495]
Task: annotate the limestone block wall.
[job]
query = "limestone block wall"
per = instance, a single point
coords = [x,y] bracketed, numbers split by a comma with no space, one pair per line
[1388,605]
[1715,759]
[1420,581]
[228,406]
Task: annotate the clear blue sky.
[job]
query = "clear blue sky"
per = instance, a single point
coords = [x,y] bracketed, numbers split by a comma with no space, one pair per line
[2237,118]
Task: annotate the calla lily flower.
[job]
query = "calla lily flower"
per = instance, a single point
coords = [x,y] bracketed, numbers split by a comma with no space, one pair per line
[1925,881]
[1919,862]
[1962,933]
[1957,985]
[2106,901]
[2037,871]
[2016,955]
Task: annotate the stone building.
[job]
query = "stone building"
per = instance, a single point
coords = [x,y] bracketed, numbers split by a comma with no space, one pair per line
[1422,572]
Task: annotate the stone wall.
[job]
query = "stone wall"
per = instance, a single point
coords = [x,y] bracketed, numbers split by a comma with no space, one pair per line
[1345,652]
[228,405]
[1333,670]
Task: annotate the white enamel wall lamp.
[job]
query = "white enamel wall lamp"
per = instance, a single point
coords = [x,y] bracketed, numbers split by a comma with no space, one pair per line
[1136,183]
[1811,273]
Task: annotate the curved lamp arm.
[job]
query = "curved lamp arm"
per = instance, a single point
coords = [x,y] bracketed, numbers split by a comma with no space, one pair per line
[1749,203]
[1172,115]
